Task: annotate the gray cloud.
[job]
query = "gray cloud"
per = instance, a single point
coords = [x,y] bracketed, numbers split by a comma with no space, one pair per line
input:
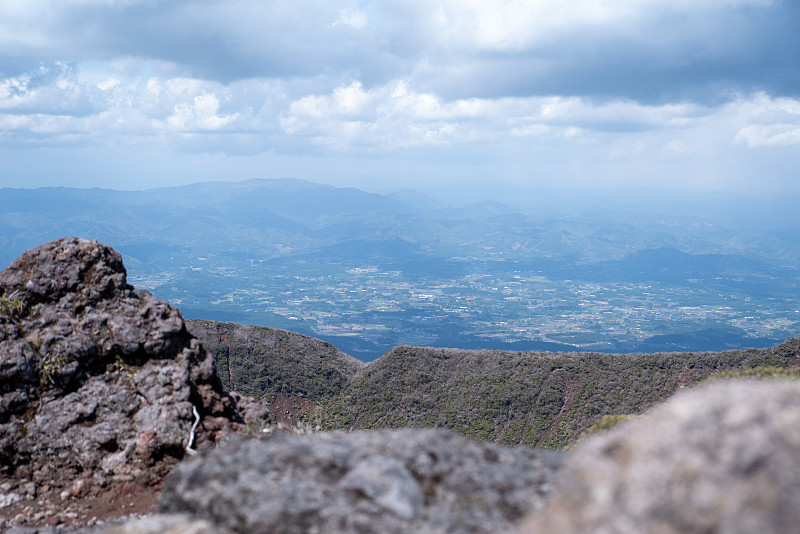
[668,52]
[706,57]
[222,40]
[584,90]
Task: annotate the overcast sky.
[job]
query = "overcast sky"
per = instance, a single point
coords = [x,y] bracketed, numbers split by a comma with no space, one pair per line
[128,94]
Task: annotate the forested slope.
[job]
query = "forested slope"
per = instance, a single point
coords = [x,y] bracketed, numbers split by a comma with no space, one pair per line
[543,399]
[262,362]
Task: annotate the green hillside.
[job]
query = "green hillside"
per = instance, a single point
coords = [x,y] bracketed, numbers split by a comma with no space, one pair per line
[543,399]
[262,362]
[534,398]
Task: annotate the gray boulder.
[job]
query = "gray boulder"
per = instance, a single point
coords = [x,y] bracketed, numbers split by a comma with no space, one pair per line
[160,524]
[410,480]
[99,382]
[721,459]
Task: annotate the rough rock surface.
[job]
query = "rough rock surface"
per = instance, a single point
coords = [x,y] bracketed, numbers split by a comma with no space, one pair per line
[721,459]
[164,524]
[98,381]
[156,524]
[410,480]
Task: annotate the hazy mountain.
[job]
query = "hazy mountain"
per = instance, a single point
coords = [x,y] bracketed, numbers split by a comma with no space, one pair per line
[368,271]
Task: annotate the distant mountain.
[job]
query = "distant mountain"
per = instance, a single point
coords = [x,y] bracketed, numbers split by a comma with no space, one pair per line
[421,201]
[254,215]
[669,264]
[369,271]
[291,198]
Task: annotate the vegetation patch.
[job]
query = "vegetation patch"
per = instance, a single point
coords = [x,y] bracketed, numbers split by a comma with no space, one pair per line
[264,362]
[12,306]
[762,372]
[549,399]
[50,370]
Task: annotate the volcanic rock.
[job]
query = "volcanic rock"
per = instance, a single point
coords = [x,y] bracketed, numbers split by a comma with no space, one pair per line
[719,459]
[99,383]
[389,481]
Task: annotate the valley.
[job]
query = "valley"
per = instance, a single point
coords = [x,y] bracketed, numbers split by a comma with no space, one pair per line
[368,309]
[368,271]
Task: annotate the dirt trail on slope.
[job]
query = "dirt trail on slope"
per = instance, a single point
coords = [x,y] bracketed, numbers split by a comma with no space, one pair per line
[570,389]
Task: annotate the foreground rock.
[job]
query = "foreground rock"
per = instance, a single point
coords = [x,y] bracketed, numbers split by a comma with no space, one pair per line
[411,480]
[99,382]
[721,459]
[159,524]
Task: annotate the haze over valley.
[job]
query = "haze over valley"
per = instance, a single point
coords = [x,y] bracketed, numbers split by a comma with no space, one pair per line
[615,176]
[625,271]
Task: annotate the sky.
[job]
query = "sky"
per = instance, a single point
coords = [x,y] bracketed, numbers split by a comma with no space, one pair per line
[690,95]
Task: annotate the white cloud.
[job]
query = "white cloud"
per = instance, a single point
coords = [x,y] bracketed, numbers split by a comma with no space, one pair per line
[394,116]
[622,114]
[520,24]
[47,89]
[200,114]
[771,122]
[45,104]
[386,118]
[54,125]
[352,17]
[678,149]
[110,83]
[136,104]
[770,135]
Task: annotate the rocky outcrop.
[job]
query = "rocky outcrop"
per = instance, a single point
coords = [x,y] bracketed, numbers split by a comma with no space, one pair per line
[410,480]
[719,459]
[99,383]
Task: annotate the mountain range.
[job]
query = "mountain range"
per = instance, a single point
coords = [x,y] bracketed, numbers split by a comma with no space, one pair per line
[609,272]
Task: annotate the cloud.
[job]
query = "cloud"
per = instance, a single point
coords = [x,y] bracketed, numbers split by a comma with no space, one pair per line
[393,116]
[59,104]
[384,118]
[523,24]
[352,17]
[772,122]
[587,87]
[647,50]
[49,88]
[221,40]
[653,50]
[677,149]
[201,114]
[259,114]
